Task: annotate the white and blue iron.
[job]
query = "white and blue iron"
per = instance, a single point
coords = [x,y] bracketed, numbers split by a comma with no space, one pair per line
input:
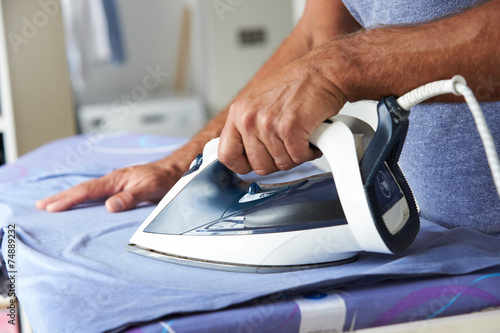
[212,218]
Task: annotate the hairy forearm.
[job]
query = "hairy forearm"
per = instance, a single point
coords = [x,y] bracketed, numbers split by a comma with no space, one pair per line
[394,60]
[292,48]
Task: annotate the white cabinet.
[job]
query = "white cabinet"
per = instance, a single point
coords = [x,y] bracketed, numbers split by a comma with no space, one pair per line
[36,94]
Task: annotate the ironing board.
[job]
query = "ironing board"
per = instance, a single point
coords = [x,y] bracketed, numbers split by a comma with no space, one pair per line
[77,260]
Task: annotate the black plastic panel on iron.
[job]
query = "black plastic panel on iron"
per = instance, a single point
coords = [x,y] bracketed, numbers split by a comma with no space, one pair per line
[391,129]
[195,165]
[380,157]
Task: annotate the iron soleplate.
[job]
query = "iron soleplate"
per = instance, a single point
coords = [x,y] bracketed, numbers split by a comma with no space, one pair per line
[231,267]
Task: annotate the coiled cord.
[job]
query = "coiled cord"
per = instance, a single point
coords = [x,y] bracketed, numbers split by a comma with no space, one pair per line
[458,86]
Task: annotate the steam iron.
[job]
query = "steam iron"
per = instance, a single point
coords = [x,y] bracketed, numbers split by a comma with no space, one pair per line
[212,218]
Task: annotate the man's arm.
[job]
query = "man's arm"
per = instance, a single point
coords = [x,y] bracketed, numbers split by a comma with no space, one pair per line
[322,19]
[269,126]
[393,61]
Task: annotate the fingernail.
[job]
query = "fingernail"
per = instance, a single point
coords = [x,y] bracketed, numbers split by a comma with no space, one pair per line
[114,205]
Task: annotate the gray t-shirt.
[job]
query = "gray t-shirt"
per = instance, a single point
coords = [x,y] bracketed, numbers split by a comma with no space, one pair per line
[443,158]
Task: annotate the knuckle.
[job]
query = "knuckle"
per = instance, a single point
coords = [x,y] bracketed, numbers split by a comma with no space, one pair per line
[283,126]
[263,167]
[299,153]
[223,157]
[128,197]
[74,201]
[247,120]
[283,166]
[231,113]
[115,178]
[156,182]
[287,131]
[299,158]
[233,108]
[82,187]
[236,109]
[242,113]
[267,124]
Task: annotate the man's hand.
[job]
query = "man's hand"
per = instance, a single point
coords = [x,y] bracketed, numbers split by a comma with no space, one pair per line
[125,188]
[268,128]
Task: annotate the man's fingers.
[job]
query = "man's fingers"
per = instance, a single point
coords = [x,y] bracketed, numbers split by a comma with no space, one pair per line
[280,156]
[62,201]
[42,204]
[115,204]
[301,151]
[131,196]
[90,190]
[264,154]
[126,199]
[231,151]
[260,159]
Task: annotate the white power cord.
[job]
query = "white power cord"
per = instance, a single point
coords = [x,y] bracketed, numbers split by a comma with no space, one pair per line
[458,86]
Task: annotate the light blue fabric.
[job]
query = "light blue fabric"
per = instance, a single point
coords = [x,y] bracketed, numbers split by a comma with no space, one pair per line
[74,274]
[443,158]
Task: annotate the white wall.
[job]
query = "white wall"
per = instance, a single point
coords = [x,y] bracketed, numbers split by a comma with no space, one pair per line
[228,64]
[298,9]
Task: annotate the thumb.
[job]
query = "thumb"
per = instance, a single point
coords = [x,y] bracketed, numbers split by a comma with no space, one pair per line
[127,199]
